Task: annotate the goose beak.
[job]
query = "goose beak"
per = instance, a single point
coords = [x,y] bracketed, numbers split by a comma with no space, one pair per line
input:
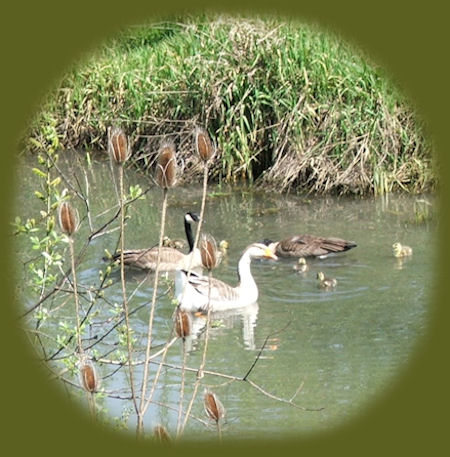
[268,254]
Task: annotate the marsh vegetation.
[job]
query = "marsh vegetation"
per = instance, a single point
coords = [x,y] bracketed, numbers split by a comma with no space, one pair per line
[290,106]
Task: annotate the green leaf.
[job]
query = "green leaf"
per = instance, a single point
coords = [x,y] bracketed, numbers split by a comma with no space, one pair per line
[39,172]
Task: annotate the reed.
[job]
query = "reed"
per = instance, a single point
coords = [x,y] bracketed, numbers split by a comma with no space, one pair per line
[210,256]
[165,177]
[183,324]
[183,327]
[204,150]
[89,381]
[203,144]
[118,147]
[210,259]
[88,377]
[119,152]
[68,221]
[209,252]
[214,409]
[166,167]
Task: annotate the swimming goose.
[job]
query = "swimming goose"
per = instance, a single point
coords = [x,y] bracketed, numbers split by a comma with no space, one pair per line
[326,283]
[222,296]
[400,250]
[308,246]
[171,259]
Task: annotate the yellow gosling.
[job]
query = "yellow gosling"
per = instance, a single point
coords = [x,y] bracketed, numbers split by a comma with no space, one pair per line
[326,283]
[301,266]
[400,250]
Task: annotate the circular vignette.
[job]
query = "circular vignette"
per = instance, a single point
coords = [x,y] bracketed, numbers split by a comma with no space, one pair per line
[405,399]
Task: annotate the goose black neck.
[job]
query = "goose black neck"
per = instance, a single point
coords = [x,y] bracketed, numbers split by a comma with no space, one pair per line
[189,236]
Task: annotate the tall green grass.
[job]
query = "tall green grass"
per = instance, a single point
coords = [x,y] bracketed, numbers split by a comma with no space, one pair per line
[291,107]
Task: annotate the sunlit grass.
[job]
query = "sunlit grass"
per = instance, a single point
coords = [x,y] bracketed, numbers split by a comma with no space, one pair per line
[291,107]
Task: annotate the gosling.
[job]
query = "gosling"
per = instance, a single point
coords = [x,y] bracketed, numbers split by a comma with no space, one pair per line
[326,283]
[175,244]
[301,266]
[400,250]
[223,247]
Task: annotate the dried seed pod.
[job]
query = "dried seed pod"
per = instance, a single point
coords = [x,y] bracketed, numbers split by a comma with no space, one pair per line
[182,324]
[213,406]
[118,147]
[166,168]
[68,218]
[209,253]
[203,144]
[161,433]
[88,376]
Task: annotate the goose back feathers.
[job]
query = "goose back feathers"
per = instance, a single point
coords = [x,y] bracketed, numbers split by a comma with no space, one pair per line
[309,246]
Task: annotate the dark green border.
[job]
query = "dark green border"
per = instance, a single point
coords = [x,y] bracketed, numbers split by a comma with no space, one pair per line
[411,41]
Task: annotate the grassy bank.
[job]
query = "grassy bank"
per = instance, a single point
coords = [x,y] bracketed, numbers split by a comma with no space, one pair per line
[289,106]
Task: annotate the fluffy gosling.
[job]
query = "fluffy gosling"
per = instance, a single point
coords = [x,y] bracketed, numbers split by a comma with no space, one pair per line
[400,250]
[301,266]
[326,283]
[223,247]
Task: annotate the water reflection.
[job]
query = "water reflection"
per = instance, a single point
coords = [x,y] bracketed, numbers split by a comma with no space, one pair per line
[245,317]
[402,262]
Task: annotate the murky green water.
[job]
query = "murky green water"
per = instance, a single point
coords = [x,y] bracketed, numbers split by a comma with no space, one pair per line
[343,348]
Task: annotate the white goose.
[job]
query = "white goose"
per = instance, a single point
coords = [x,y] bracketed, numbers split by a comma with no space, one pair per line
[171,259]
[192,292]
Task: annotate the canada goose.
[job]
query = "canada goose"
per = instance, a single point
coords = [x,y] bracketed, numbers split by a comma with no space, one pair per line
[400,250]
[171,259]
[326,283]
[222,296]
[308,246]
[301,266]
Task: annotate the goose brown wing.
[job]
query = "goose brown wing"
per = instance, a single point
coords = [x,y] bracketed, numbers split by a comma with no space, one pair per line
[147,258]
[311,246]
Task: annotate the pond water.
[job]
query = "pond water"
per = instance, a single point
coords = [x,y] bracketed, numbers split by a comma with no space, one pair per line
[336,351]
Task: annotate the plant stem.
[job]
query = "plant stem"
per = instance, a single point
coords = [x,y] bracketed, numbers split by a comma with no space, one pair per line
[124,290]
[200,373]
[183,377]
[197,236]
[143,404]
[75,293]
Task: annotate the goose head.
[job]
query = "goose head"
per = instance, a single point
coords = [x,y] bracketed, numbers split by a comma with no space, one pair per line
[191,217]
[396,249]
[260,251]
[272,245]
